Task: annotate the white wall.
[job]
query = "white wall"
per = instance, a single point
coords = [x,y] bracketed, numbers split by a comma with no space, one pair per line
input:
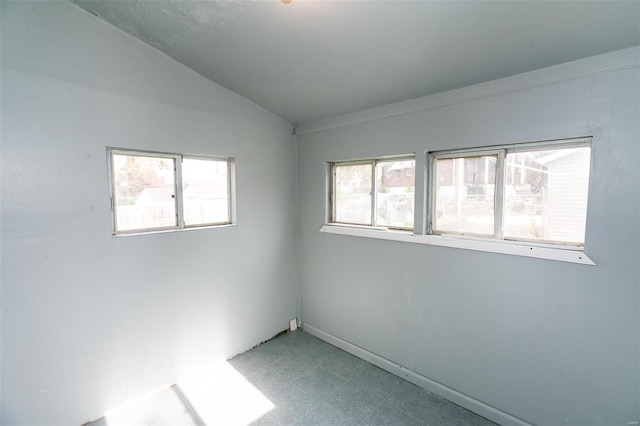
[88,320]
[547,342]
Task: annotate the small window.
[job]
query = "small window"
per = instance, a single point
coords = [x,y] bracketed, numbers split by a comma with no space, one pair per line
[158,191]
[528,192]
[377,192]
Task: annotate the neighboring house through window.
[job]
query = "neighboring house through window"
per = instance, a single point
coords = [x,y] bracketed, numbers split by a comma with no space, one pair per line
[527,192]
[528,199]
[374,192]
[153,191]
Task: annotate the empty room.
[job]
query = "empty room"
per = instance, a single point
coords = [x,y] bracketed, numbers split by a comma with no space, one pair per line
[234,212]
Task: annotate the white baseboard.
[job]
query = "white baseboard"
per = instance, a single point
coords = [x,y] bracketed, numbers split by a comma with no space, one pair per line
[465,401]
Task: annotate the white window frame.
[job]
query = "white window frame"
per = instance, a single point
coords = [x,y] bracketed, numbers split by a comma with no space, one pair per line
[423,234]
[178,190]
[373,162]
[499,193]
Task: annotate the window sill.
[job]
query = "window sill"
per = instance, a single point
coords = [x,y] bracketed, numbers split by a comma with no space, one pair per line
[169,230]
[538,251]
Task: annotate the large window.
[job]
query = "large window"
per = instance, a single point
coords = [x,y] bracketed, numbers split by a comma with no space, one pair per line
[528,192]
[524,199]
[377,192]
[158,191]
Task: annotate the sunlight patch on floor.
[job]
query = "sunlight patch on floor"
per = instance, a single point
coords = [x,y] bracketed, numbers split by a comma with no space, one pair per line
[152,408]
[218,395]
[221,395]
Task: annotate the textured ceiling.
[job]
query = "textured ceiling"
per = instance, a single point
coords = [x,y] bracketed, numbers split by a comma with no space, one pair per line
[309,60]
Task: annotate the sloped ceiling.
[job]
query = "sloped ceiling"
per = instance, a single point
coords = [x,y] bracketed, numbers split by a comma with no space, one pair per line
[309,60]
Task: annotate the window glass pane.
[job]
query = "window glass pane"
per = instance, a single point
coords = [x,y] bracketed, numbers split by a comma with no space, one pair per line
[205,193]
[144,192]
[464,198]
[395,186]
[546,195]
[352,188]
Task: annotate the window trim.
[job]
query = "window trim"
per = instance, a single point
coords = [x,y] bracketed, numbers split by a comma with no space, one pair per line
[490,245]
[373,162]
[178,191]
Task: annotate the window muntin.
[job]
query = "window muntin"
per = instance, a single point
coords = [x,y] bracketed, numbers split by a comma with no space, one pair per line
[539,192]
[157,191]
[377,192]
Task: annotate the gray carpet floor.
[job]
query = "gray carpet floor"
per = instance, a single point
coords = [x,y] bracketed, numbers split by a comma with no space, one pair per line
[297,379]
